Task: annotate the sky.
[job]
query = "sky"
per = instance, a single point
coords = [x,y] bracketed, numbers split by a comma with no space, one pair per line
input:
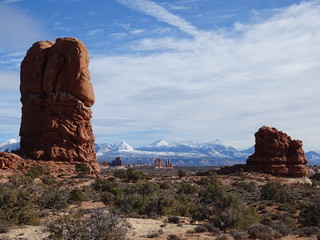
[178,70]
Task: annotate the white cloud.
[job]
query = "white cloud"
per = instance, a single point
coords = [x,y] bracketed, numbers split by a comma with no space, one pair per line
[214,85]
[155,10]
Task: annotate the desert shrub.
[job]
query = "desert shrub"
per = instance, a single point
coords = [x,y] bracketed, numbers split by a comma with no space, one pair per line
[133,202]
[238,235]
[147,188]
[154,234]
[260,231]
[174,219]
[17,206]
[165,185]
[247,186]
[107,198]
[241,173]
[20,180]
[310,214]
[200,229]
[205,227]
[54,198]
[101,225]
[210,179]
[315,177]
[307,231]
[238,216]
[82,169]
[200,212]
[277,192]
[281,228]
[134,175]
[36,171]
[76,195]
[121,173]
[4,226]
[181,173]
[105,185]
[266,220]
[48,180]
[222,237]
[171,205]
[187,188]
[228,209]
[174,237]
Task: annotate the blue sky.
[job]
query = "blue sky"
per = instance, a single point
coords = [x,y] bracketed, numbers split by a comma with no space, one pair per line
[180,69]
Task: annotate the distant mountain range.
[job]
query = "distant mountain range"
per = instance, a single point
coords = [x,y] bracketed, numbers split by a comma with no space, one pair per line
[185,153]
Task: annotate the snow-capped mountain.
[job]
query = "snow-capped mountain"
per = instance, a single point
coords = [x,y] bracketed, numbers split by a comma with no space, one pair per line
[180,153]
[313,158]
[159,143]
[10,145]
[187,153]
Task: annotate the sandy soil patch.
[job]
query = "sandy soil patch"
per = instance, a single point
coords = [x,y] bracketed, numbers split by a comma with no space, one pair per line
[25,233]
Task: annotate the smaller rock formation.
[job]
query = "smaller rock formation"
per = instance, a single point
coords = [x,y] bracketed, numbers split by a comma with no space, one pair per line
[158,163]
[168,163]
[277,154]
[116,162]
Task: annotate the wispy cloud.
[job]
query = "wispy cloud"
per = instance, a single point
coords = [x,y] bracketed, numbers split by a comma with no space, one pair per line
[10,1]
[222,85]
[155,10]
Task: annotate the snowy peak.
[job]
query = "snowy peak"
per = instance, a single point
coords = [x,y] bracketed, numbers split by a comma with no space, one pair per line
[123,146]
[10,145]
[159,143]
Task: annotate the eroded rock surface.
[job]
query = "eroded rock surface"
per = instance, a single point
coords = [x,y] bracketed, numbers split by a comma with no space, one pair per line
[9,161]
[56,96]
[276,153]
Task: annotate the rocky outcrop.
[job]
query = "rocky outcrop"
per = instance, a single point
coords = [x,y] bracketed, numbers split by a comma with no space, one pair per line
[276,153]
[56,96]
[9,161]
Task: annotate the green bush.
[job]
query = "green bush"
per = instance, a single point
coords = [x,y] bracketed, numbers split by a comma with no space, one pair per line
[148,188]
[134,175]
[276,192]
[82,169]
[247,186]
[76,195]
[181,173]
[174,219]
[36,171]
[17,206]
[228,209]
[165,185]
[260,231]
[105,185]
[54,198]
[121,174]
[310,214]
[187,188]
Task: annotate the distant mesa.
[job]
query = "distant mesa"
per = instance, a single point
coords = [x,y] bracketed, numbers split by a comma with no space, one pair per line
[277,154]
[56,96]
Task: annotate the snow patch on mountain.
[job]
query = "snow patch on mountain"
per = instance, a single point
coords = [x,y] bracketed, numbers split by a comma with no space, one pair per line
[159,143]
[10,145]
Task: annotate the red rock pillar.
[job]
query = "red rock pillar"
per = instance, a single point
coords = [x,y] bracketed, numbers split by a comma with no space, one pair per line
[56,96]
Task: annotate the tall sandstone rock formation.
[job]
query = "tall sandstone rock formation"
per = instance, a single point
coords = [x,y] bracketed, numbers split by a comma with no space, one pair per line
[276,153]
[56,96]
